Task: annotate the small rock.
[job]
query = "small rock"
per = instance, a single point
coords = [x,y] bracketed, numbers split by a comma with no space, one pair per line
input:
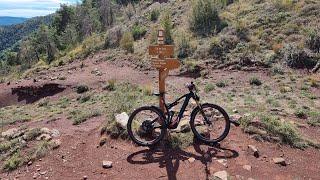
[235,111]
[239,177]
[56,143]
[39,169]
[55,133]
[191,160]
[45,130]
[43,173]
[45,137]
[35,175]
[29,163]
[107,164]
[85,177]
[122,119]
[223,175]
[253,150]
[236,117]
[53,78]
[280,161]
[223,162]
[247,167]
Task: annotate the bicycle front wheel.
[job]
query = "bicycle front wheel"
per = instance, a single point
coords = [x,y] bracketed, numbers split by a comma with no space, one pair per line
[210,124]
[146,126]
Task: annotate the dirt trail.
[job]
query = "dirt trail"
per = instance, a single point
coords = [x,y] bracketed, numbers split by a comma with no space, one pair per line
[79,155]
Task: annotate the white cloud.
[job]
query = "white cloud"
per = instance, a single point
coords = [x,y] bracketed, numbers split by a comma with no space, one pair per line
[25,12]
[30,8]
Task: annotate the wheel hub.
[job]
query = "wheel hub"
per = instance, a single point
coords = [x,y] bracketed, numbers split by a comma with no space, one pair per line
[147,127]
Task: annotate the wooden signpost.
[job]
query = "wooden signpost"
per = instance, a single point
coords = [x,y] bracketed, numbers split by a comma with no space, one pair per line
[163,61]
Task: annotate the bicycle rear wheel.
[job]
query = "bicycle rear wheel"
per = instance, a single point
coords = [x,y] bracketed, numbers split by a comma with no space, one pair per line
[146,126]
[210,124]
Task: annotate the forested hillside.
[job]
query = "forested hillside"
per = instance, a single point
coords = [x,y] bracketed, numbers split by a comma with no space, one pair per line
[5,20]
[229,33]
[11,34]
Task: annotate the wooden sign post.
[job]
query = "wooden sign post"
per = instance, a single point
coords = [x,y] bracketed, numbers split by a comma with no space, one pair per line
[163,61]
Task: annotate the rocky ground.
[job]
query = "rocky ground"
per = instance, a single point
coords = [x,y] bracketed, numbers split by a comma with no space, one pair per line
[39,116]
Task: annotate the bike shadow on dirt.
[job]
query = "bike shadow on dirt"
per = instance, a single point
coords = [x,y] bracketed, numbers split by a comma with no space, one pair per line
[170,158]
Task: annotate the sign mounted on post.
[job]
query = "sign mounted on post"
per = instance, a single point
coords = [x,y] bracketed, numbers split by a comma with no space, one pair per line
[161,50]
[163,61]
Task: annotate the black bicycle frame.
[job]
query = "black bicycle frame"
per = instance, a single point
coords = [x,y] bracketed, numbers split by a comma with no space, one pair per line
[176,102]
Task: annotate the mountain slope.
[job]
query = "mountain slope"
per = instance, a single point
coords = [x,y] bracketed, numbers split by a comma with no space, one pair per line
[9,35]
[7,20]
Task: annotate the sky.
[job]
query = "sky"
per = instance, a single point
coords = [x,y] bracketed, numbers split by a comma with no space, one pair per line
[31,8]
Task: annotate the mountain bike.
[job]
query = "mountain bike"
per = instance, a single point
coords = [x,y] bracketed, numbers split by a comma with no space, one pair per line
[209,122]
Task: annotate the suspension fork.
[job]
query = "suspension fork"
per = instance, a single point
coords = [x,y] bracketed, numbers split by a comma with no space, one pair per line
[201,111]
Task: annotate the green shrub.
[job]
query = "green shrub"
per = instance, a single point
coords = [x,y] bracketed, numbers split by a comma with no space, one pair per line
[301,113]
[13,162]
[154,15]
[313,40]
[166,23]
[209,87]
[183,45]
[82,88]
[297,57]
[191,66]
[32,134]
[255,81]
[111,85]
[275,127]
[4,146]
[181,140]
[126,42]
[138,31]
[242,30]
[221,84]
[222,45]
[42,149]
[205,19]
[277,70]
[80,116]
[314,118]
[84,98]
[286,131]
[2,80]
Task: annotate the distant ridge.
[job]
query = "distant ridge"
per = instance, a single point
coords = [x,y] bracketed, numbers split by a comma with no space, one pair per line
[7,20]
[11,34]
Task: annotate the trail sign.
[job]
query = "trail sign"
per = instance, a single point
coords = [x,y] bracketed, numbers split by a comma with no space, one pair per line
[168,63]
[163,61]
[161,50]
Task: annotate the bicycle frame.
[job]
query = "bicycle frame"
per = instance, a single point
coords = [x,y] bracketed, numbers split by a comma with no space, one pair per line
[184,105]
